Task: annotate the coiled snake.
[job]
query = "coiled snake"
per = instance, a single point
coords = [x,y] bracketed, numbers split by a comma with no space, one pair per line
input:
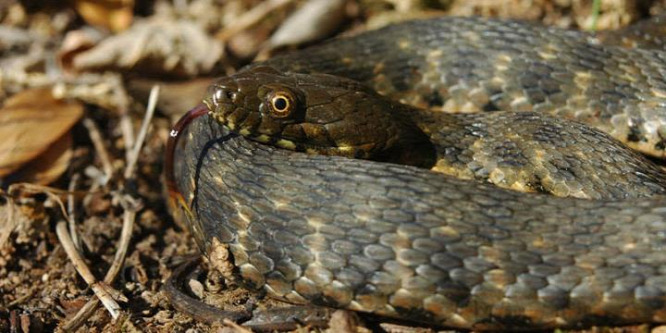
[405,242]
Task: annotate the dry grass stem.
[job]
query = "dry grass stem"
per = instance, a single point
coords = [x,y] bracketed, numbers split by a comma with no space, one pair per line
[136,149]
[101,290]
[98,143]
[130,206]
[71,210]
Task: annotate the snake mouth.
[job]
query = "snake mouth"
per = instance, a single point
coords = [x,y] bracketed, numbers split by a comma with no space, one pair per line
[174,136]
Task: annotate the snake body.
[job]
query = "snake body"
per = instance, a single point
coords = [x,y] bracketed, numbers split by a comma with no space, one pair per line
[405,242]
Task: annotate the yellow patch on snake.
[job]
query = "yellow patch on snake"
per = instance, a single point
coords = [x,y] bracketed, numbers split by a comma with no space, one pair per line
[547,55]
[244,132]
[521,187]
[658,92]
[345,149]
[445,232]
[521,103]
[404,44]
[378,68]
[448,169]
[434,56]
[471,36]
[286,144]
[582,79]
[263,138]
[502,61]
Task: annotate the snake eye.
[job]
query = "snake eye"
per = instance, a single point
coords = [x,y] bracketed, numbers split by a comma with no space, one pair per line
[281,104]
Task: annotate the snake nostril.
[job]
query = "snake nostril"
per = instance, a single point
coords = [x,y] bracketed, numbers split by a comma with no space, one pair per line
[222,94]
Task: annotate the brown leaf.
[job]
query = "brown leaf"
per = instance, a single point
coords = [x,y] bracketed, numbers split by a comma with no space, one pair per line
[115,15]
[11,218]
[31,123]
[47,167]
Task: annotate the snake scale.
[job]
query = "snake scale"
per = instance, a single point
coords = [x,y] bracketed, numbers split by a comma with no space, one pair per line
[405,242]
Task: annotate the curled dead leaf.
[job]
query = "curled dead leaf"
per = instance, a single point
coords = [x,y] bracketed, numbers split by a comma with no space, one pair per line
[157,47]
[10,217]
[75,42]
[35,127]
[315,20]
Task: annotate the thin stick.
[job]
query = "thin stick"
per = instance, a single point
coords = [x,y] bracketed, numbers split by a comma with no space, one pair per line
[118,261]
[34,188]
[131,207]
[251,17]
[120,95]
[98,143]
[71,210]
[150,110]
[101,290]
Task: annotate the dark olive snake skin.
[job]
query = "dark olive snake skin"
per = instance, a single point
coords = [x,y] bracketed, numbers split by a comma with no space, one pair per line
[471,64]
[410,243]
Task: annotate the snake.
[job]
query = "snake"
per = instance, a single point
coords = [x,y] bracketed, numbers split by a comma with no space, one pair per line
[269,190]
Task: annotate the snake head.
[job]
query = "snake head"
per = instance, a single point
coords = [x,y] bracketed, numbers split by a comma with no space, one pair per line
[317,113]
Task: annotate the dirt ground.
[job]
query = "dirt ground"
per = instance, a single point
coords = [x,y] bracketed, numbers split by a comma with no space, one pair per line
[104,56]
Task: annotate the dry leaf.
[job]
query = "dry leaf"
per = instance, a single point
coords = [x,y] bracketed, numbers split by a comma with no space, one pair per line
[176,98]
[315,20]
[161,46]
[11,218]
[47,167]
[75,42]
[115,15]
[31,123]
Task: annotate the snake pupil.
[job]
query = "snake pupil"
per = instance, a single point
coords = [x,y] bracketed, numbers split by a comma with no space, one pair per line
[280,103]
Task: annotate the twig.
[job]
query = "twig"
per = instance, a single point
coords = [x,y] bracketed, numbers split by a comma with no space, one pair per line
[101,289]
[128,132]
[131,207]
[71,210]
[103,154]
[251,17]
[120,96]
[33,188]
[134,155]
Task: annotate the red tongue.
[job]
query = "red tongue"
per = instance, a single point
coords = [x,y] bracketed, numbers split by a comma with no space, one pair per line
[174,135]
